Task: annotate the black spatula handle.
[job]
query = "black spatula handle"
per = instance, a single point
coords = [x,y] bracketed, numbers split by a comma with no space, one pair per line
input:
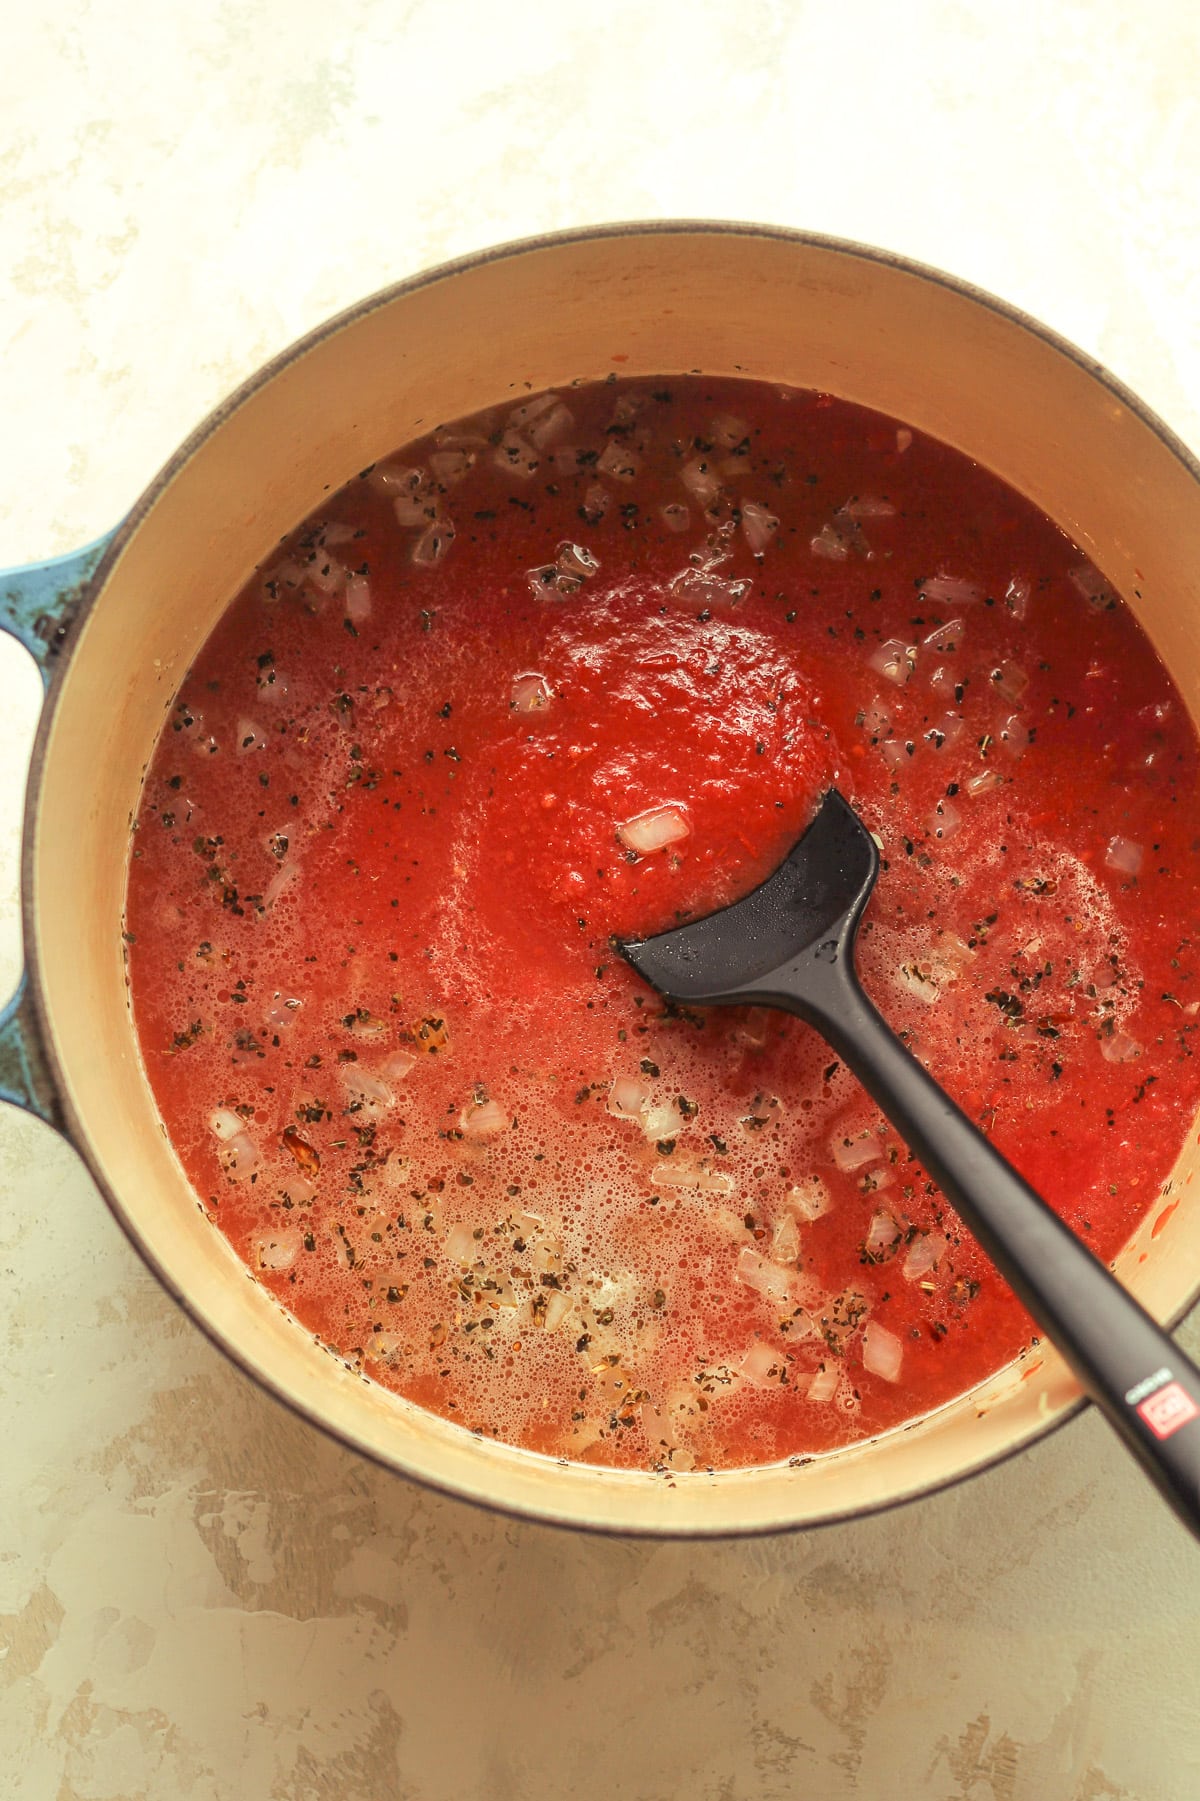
[1123,1359]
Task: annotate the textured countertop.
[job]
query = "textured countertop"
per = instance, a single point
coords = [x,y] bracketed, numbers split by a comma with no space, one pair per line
[199,1595]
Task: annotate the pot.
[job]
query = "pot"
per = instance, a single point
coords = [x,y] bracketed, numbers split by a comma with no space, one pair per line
[116,627]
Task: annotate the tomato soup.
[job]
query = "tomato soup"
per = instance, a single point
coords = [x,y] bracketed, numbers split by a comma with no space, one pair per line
[581,667]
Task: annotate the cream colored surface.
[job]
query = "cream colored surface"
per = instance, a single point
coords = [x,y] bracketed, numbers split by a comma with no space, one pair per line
[199,1595]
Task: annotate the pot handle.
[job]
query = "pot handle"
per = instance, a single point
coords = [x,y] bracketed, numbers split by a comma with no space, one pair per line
[38,605]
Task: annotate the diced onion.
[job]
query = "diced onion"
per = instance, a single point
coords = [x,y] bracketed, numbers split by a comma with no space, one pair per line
[1016,596]
[903,439]
[758,525]
[810,1198]
[596,500]
[762,1366]
[551,427]
[950,588]
[225,1124]
[829,543]
[661,1122]
[762,1276]
[325,573]
[945,639]
[1119,1047]
[364,1086]
[239,1156]
[528,410]
[397,1066]
[1010,680]
[395,478]
[1015,735]
[865,506]
[883,1352]
[675,516]
[923,1256]
[675,1172]
[358,599]
[824,1383]
[944,821]
[516,457]
[895,752]
[530,693]
[851,1150]
[284,877]
[250,737]
[785,1240]
[894,660]
[875,721]
[279,1251]
[619,461]
[450,466]
[883,1238]
[654,830]
[628,1098]
[705,589]
[558,1307]
[433,543]
[917,978]
[700,479]
[1092,585]
[1123,855]
[483,1119]
[282,1011]
[727,430]
[985,779]
[461,1246]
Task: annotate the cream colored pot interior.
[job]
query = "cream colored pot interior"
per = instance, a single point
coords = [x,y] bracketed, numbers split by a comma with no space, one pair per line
[641,301]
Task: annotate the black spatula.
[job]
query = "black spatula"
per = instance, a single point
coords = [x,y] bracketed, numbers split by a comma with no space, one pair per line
[790,944]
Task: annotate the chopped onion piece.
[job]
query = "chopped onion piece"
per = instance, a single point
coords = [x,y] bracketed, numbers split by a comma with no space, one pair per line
[1123,855]
[762,1366]
[875,722]
[483,1119]
[944,821]
[250,737]
[461,1245]
[894,660]
[516,457]
[895,753]
[917,978]
[551,427]
[395,478]
[762,1276]
[829,543]
[824,1383]
[1010,680]
[810,1198]
[1016,596]
[883,1238]
[863,506]
[282,1012]
[945,639]
[883,1352]
[1015,735]
[903,439]
[433,544]
[628,1098]
[672,1172]
[619,461]
[923,1256]
[530,409]
[675,516]
[224,1124]
[700,480]
[358,599]
[572,565]
[661,1122]
[278,1251]
[450,466]
[595,503]
[558,1307]
[284,877]
[325,573]
[239,1156]
[705,589]
[785,1240]
[1092,585]
[985,779]
[758,525]
[362,1085]
[530,694]
[654,830]
[727,430]
[398,1065]
[951,588]
[1120,1048]
[851,1150]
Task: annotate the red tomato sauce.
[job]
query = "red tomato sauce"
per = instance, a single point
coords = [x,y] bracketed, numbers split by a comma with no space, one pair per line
[579,668]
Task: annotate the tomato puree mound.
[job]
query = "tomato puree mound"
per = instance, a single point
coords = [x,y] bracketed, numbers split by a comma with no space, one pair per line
[579,667]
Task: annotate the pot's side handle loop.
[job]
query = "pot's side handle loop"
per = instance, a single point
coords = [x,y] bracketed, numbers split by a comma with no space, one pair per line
[39,602]
[37,607]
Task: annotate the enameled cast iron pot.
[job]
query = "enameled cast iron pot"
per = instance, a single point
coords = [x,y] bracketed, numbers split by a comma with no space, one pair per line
[116,627]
